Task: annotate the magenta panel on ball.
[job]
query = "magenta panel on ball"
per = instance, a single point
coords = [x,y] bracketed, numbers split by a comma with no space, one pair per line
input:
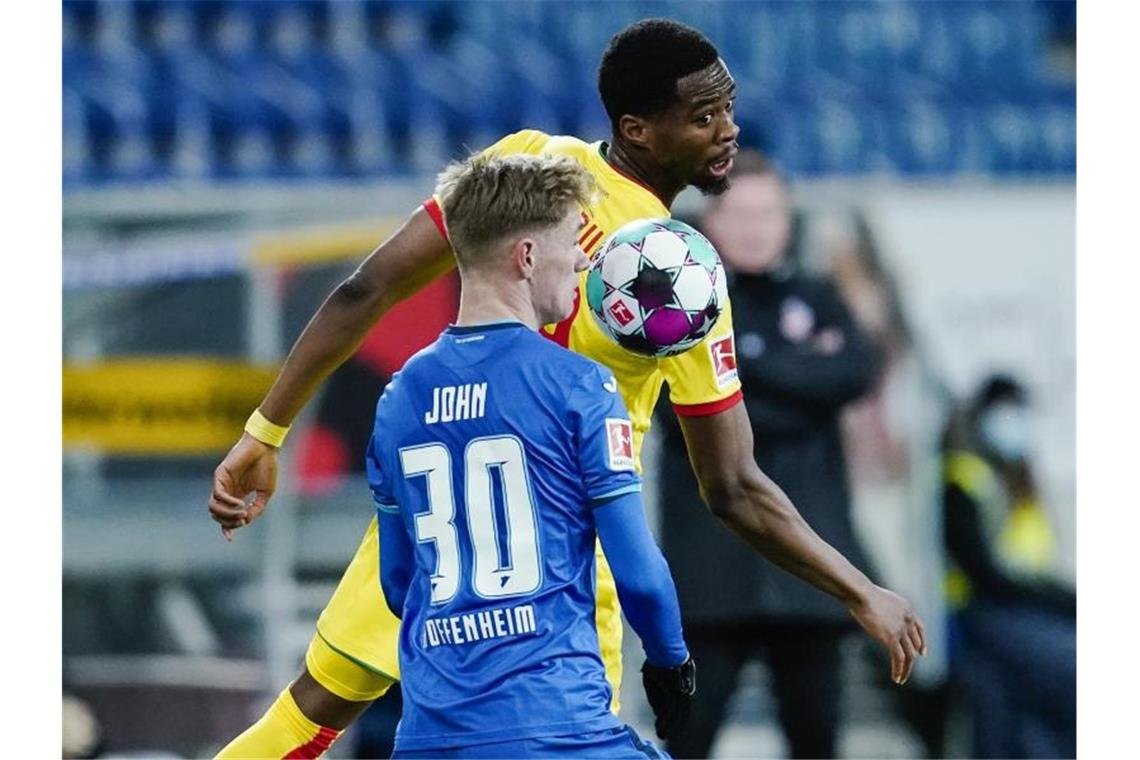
[664,327]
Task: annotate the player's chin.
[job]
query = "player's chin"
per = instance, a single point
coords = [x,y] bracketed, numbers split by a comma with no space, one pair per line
[711,184]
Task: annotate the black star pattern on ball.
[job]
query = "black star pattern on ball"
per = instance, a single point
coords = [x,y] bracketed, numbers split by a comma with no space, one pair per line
[637,343]
[653,287]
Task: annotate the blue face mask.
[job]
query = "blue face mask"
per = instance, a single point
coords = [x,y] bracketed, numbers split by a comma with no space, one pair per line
[1005,429]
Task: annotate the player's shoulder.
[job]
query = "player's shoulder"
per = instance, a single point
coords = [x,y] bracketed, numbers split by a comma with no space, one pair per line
[426,358]
[524,141]
[568,369]
[551,354]
[421,364]
[537,142]
[568,145]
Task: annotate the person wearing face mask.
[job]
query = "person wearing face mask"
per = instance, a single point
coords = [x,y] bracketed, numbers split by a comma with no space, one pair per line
[801,358]
[1013,631]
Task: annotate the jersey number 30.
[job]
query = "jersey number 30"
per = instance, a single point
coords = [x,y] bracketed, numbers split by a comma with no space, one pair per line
[494,575]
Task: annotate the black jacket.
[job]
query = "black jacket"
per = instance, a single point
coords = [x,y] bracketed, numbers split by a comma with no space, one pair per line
[794,394]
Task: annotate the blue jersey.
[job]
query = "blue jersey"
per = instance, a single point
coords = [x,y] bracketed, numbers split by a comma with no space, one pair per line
[492,446]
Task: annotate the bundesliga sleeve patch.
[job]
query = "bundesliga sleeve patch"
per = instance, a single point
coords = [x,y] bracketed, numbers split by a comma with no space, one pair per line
[723,353]
[619,433]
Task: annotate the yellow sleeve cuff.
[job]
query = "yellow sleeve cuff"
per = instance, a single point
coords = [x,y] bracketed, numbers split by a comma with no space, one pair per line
[265,431]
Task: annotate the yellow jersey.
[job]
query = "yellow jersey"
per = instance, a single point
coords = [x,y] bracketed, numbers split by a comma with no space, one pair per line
[703,380]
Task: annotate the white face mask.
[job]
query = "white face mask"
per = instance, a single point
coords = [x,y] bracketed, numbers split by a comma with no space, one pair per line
[1005,429]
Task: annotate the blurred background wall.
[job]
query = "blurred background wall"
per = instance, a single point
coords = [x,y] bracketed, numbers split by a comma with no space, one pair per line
[226,163]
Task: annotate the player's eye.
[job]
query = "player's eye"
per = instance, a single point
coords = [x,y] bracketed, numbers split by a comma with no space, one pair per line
[705,120]
[731,105]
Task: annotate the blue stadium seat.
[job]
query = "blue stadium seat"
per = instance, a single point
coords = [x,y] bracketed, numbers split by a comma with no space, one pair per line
[922,138]
[1010,134]
[999,46]
[76,154]
[320,88]
[787,127]
[1057,122]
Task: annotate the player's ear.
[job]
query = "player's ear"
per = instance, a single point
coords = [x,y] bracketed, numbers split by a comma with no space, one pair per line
[635,130]
[523,253]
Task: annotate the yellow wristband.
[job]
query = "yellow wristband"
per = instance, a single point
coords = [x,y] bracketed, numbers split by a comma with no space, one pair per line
[264,430]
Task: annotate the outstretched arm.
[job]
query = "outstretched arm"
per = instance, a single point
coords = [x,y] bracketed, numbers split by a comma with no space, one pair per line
[749,503]
[414,256]
[649,600]
[644,586]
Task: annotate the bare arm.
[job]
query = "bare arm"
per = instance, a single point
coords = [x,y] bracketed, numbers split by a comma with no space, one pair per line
[414,256]
[752,506]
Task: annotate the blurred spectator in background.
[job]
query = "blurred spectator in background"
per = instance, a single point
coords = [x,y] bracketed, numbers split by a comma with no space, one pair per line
[801,358]
[1014,629]
[892,440]
[870,293]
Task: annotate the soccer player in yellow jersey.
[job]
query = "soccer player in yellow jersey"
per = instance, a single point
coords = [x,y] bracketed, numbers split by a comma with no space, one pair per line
[670,98]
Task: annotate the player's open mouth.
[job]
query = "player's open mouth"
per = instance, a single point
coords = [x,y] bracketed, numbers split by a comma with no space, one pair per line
[721,168]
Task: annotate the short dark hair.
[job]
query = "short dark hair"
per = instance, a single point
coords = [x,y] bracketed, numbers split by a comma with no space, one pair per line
[642,63]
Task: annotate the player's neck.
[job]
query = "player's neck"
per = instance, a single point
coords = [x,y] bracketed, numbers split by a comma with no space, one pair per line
[642,170]
[482,303]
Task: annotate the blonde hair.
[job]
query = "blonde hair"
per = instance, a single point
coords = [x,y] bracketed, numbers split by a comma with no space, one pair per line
[486,199]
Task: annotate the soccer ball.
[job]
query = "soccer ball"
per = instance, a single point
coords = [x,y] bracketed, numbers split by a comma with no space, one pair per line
[657,286]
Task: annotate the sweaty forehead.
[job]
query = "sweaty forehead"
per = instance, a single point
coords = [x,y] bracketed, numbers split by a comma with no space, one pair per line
[709,84]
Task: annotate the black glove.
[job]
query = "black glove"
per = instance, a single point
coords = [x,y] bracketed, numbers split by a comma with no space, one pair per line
[670,692]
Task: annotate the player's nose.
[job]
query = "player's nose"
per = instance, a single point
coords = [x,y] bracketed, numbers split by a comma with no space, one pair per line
[730,131]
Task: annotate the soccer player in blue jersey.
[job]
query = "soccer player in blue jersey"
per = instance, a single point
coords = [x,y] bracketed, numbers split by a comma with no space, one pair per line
[498,457]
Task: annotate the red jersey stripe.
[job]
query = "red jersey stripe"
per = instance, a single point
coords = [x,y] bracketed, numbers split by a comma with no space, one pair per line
[708,409]
[589,247]
[315,746]
[436,213]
